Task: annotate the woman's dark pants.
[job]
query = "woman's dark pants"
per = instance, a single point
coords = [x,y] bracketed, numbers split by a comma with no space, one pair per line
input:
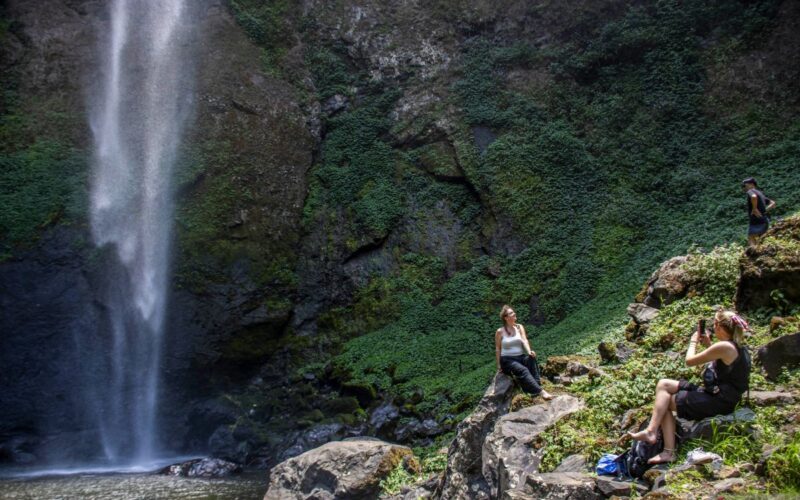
[525,372]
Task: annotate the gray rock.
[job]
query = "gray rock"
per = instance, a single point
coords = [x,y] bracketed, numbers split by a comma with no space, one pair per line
[728,485]
[344,469]
[312,438]
[668,283]
[642,314]
[384,418]
[417,429]
[704,429]
[463,476]
[576,369]
[560,486]
[573,463]
[203,467]
[608,486]
[781,352]
[770,398]
[507,455]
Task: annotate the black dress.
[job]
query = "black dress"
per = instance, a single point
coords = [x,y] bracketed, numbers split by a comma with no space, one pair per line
[693,403]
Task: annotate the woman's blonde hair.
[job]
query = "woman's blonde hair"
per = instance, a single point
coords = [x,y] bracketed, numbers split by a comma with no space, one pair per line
[733,324]
[504,312]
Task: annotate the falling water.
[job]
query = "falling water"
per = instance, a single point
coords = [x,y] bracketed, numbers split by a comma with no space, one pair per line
[137,118]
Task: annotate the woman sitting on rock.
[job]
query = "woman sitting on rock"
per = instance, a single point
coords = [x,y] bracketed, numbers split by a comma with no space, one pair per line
[514,355]
[732,366]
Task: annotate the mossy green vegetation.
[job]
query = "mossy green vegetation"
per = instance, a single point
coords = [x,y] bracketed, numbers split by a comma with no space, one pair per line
[629,387]
[43,171]
[618,162]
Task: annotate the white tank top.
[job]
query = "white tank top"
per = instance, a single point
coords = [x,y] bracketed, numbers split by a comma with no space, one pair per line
[511,346]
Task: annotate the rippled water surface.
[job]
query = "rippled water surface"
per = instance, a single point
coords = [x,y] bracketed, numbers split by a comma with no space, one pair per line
[246,486]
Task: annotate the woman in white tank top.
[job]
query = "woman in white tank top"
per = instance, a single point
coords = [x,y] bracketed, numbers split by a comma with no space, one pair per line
[514,355]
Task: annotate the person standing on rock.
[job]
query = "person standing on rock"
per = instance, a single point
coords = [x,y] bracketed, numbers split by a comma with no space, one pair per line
[757,207]
[720,396]
[514,355]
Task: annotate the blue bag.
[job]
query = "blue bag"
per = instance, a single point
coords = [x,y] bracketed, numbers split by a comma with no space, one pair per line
[607,465]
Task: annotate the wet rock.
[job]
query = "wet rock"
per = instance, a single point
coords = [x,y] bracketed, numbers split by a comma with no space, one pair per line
[384,418]
[667,284]
[507,455]
[573,463]
[561,486]
[344,469]
[463,476]
[770,398]
[608,486]
[704,429]
[781,352]
[641,313]
[202,467]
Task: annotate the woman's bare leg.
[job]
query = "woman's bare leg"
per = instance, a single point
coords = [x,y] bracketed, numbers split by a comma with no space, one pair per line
[664,391]
[668,431]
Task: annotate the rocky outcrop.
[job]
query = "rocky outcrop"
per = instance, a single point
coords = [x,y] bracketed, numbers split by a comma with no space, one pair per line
[769,273]
[667,284]
[463,477]
[507,455]
[349,469]
[783,352]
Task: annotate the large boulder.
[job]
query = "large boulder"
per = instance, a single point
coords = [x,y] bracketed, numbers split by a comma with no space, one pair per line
[349,469]
[641,313]
[667,284]
[781,352]
[704,429]
[507,454]
[463,476]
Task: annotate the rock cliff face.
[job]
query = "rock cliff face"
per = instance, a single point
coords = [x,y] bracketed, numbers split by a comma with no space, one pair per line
[362,164]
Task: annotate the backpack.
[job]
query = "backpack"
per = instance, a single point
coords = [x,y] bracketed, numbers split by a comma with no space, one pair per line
[633,463]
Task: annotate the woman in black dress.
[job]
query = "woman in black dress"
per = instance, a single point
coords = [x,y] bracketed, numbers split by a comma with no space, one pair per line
[695,403]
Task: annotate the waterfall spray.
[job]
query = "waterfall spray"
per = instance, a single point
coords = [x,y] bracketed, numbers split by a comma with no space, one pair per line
[137,121]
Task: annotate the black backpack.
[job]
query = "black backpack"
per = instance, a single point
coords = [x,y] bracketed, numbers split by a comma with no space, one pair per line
[633,463]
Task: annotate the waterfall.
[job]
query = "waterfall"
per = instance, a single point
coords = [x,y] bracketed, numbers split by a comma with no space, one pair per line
[137,116]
